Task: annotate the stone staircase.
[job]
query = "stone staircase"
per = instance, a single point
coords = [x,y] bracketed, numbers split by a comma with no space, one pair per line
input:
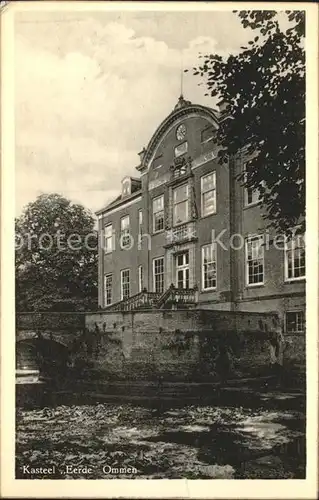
[172,298]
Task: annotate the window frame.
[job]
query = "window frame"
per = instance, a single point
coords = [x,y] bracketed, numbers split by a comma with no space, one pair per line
[254,191]
[185,201]
[106,238]
[211,137]
[248,239]
[155,231]
[202,193]
[213,246]
[184,268]
[125,232]
[295,311]
[140,221]
[129,283]
[183,152]
[106,303]
[158,274]
[286,249]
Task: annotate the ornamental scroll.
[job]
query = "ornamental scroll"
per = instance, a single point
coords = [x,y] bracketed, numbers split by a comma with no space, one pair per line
[169,210]
[192,200]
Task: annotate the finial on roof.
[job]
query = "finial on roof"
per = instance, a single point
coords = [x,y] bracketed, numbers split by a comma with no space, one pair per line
[181,103]
[182,74]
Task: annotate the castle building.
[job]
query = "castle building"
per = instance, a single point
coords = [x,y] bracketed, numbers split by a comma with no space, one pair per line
[186,233]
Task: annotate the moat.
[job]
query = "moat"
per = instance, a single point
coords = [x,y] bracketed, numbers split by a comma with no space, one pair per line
[78,436]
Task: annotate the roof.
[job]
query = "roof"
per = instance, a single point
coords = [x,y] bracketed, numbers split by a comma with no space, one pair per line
[135,182]
[135,179]
[119,201]
[181,109]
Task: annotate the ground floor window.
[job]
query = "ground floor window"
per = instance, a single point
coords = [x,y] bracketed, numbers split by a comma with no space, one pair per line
[158,274]
[209,273]
[108,289]
[254,261]
[294,321]
[125,284]
[182,270]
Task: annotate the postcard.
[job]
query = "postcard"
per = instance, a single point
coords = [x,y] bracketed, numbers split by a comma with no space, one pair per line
[159,232]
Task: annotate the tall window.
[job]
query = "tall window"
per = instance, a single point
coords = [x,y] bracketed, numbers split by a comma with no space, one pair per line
[158,214]
[295,257]
[294,321]
[180,201]
[209,270]
[182,270]
[140,221]
[108,238]
[254,260]
[125,231]
[158,274]
[140,278]
[208,194]
[125,284]
[107,289]
[251,195]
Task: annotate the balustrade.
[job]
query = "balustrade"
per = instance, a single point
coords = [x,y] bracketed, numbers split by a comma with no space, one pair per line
[138,301]
[182,233]
[145,299]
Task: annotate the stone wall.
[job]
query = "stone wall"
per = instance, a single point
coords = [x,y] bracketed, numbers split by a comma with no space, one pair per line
[180,345]
[295,352]
[174,345]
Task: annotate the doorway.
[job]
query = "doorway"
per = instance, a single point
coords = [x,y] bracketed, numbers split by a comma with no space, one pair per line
[182,270]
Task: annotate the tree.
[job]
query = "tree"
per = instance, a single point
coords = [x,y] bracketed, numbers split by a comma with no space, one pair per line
[263,88]
[56,256]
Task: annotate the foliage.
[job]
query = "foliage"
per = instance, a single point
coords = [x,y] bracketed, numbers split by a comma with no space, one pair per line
[263,88]
[50,273]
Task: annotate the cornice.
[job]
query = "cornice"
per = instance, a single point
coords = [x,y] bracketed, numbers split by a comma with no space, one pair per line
[174,116]
[122,203]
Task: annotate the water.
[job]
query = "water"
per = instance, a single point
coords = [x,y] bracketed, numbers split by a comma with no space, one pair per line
[98,440]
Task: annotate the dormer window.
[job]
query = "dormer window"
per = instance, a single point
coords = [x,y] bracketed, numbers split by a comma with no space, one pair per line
[208,134]
[126,186]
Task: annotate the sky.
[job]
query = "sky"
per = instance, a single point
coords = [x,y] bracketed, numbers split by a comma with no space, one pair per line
[92,87]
